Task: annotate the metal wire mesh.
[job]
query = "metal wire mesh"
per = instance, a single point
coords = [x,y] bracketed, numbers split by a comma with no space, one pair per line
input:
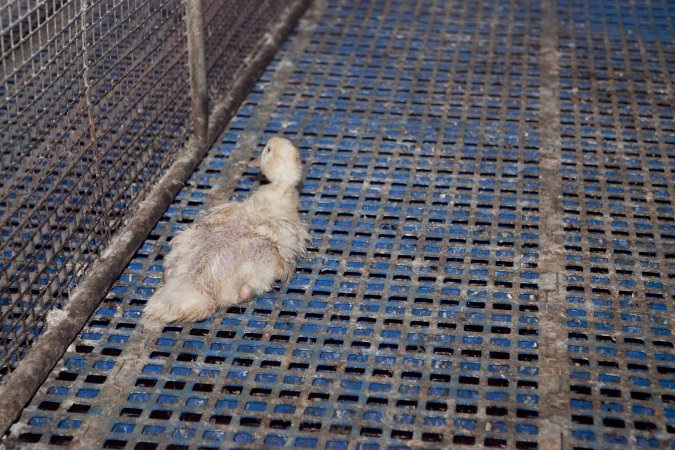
[96,107]
[246,22]
[94,110]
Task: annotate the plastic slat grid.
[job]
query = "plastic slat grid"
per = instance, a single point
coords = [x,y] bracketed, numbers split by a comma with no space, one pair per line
[415,320]
[618,145]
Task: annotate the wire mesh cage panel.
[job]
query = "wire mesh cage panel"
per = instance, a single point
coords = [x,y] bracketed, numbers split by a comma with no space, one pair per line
[246,21]
[95,108]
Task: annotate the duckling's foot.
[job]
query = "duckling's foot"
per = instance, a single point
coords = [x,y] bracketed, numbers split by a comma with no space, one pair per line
[244,292]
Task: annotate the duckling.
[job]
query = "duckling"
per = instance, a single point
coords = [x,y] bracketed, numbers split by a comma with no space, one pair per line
[237,250]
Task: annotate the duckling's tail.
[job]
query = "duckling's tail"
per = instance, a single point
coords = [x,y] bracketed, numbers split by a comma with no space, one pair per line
[178,300]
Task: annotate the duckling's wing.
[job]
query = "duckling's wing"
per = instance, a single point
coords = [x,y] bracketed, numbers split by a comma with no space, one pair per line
[221,213]
[183,248]
[289,236]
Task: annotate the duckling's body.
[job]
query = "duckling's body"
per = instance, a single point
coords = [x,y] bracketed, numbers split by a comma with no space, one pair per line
[238,250]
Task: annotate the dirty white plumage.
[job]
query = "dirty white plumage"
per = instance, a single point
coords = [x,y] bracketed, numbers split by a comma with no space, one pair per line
[237,250]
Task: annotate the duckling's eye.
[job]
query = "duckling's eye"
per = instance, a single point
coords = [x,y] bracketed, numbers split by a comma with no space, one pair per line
[267,150]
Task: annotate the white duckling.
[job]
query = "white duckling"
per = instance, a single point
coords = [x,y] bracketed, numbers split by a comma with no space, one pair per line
[237,250]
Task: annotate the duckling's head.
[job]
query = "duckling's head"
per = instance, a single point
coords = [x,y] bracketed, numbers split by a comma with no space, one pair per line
[280,163]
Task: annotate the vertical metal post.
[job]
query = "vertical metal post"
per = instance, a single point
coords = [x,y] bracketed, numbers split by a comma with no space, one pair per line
[197,63]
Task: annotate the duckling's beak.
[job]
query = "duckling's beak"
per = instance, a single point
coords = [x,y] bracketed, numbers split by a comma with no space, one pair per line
[254,163]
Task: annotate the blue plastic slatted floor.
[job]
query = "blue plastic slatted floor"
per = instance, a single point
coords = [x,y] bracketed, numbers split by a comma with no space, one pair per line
[415,320]
[617,150]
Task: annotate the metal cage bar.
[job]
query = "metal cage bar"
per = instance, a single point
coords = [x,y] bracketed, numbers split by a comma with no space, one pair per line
[197,56]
